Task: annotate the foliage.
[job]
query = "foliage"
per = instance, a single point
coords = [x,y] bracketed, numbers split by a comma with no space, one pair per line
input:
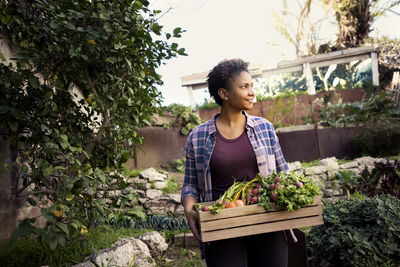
[83,83]
[184,117]
[378,106]
[172,186]
[355,19]
[388,60]
[378,139]
[208,104]
[131,172]
[28,251]
[384,178]
[292,191]
[179,164]
[358,232]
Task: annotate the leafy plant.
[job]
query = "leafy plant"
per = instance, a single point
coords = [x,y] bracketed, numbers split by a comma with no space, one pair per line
[378,139]
[179,164]
[172,186]
[83,84]
[384,178]
[184,117]
[358,232]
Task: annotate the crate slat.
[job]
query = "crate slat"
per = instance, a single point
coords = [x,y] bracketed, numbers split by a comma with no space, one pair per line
[265,217]
[253,219]
[261,228]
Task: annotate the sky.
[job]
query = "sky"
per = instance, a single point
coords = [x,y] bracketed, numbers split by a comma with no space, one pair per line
[223,29]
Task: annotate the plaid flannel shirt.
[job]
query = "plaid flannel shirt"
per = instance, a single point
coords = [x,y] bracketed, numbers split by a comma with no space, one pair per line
[200,145]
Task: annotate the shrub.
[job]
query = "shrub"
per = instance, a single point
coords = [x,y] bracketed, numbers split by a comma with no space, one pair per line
[378,139]
[359,232]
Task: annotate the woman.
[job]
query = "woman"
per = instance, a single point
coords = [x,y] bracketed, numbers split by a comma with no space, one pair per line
[232,146]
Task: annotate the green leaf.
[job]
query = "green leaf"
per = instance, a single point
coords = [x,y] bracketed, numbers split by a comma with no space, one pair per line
[23,229]
[2,57]
[111,59]
[63,227]
[4,109]
[13,125]
[177,32]
[70,26]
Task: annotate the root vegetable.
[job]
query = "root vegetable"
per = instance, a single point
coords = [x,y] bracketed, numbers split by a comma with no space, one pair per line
[254,192]
[271,186]
[254,199]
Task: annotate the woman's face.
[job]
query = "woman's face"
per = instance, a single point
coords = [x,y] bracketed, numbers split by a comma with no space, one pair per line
[240,94]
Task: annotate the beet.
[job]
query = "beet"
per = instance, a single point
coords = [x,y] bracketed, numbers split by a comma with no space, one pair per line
[254,192]
[271,186]
[205,208]
[299,184]
[254,199]
[273,196]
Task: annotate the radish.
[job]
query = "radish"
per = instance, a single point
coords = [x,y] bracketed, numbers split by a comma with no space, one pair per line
[254,192]
[258,186]
[280,186]
[271,186]
[205,208]
[277,179]
[254,199]
[299,184]
[273,196]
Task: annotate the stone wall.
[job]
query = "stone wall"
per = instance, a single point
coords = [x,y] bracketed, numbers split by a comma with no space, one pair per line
[324,174]
[150,182]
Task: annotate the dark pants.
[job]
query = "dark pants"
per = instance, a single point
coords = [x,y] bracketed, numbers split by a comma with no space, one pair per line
[268,249]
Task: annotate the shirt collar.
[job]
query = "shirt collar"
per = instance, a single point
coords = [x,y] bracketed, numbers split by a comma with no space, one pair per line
[212,129]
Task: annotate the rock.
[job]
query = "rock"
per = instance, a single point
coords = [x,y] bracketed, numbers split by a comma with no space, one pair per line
[160,184]
[331,164]
[153,193]
[329,192]
[176,198]
[159,206]
[84,264]
[179,210]
[122,253]
[155,241]
[152,175]
[365,161]
[315,170]
[349,165]
[294,166]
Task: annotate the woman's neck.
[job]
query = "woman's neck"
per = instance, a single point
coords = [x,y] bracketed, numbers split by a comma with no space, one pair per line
[230,124]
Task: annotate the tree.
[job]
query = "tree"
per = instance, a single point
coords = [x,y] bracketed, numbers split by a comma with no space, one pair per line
[83,84]
[355,19]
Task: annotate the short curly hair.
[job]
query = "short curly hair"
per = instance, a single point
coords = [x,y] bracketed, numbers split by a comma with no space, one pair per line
[222,75]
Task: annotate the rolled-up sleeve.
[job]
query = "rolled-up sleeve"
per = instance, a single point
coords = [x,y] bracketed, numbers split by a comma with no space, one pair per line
[190,185]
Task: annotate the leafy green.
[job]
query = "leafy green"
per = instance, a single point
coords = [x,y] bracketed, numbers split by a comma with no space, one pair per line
[358,232]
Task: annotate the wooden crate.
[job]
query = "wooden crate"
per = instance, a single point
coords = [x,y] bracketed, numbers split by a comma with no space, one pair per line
[253,219]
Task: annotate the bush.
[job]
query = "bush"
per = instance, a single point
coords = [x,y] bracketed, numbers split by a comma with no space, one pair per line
[378,139]
[359,232]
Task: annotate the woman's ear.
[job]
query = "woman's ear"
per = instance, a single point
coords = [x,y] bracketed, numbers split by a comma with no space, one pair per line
[223,94]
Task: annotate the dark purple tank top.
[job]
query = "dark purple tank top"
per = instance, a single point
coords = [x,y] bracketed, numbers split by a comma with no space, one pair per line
[232,160]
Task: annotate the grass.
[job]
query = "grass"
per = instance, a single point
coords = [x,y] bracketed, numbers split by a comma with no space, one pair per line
[132,172]
[28,251]
[316,163]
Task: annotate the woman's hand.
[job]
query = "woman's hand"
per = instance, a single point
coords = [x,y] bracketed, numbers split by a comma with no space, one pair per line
[191,215]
